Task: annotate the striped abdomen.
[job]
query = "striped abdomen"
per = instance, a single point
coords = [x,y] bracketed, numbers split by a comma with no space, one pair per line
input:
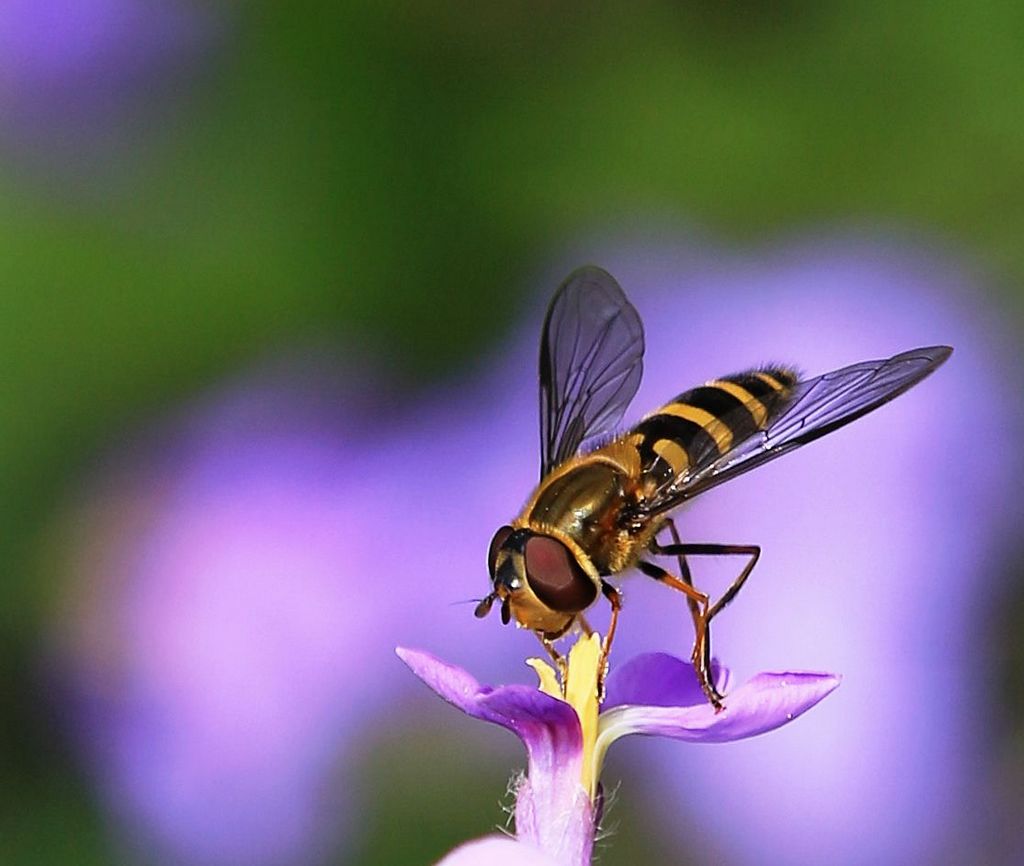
[700,425]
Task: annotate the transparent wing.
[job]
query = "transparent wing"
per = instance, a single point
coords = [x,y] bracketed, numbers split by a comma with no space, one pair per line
[591,361]
[815,407]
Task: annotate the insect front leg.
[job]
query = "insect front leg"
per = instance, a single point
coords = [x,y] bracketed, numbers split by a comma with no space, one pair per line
[702,640]
[615,600]
[561,665]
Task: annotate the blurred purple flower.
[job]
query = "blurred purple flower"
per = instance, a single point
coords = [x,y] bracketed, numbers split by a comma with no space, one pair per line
[224,651]
[77,75]
[558,802]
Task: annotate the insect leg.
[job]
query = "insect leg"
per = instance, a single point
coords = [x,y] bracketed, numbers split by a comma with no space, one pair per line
[561,665]
[751,550]
[702,640]
[615,600]
[684,567]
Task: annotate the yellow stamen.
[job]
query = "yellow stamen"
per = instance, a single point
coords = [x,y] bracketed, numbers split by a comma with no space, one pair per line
[580,692]
[548,680]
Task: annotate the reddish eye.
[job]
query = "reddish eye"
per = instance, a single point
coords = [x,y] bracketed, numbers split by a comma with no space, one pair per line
[496,543]
[556,577]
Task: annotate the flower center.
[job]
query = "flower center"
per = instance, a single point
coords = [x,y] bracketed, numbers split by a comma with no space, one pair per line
[579,690]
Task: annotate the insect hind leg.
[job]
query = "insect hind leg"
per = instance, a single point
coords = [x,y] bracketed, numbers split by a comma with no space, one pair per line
[751,550]
[701,656]
[681,550]
[684,566]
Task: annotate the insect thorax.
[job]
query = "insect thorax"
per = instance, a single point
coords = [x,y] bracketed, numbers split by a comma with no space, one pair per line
[586,503]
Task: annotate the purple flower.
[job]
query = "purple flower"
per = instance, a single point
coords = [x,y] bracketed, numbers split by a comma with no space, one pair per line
[558,802]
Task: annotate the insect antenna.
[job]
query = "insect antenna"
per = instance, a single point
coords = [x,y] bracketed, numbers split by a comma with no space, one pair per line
[483,606]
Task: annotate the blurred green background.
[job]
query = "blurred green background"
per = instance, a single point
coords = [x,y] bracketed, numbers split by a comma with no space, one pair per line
[332,170]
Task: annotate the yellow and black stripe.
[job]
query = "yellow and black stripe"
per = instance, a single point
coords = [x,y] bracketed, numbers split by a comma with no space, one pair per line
[700,425]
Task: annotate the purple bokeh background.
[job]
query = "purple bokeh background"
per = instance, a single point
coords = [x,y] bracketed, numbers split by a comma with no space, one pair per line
[231,636]
[251,567]
[82,81]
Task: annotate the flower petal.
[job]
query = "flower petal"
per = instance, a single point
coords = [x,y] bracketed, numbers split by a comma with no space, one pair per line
[553,809]
[763,703]
[452,683]
[548,726]
[522,709]
[660,680]
[497,851]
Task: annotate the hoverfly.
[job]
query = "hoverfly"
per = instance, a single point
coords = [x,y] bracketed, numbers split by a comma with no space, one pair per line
[598,511]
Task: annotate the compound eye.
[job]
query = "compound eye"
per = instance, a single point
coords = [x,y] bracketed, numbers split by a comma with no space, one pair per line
[555,576]
[499,539]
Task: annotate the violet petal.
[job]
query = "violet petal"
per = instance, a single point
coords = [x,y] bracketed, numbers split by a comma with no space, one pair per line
[452,683]
[763,703]
[497,851]
[553,810]
[660,680]
[549,727]
[522,709]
